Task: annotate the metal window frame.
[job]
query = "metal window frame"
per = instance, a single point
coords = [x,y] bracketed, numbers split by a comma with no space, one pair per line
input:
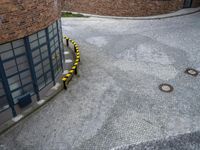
[31,64]
[7,89]
[56,50]
[50,58]
[18,72]
[49,74]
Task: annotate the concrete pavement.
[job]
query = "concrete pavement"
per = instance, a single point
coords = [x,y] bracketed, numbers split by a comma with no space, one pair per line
[116,100]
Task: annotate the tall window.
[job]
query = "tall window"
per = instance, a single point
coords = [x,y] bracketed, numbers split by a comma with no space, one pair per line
[38,44]
[54,48]
[16,68]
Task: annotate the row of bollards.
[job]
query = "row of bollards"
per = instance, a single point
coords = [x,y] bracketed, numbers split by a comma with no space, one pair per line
[74,70]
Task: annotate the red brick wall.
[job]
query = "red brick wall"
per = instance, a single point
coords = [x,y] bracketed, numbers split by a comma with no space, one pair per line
[196,3]
[19,18]
[123,7]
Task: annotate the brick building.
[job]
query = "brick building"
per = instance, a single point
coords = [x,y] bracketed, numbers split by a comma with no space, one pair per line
[30,52]
[128,7]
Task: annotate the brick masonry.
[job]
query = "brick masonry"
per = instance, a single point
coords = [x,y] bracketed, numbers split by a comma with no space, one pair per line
[124,7]
[19,18]
[196,3]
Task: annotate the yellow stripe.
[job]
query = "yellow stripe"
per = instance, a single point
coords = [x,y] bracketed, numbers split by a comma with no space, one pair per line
[64,79]
[71,71]
[68,75]
[74,67]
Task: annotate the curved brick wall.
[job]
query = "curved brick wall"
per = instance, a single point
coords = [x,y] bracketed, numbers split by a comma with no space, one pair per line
[19,18]
[123,7]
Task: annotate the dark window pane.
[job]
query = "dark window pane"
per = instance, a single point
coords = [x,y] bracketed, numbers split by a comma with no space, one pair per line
[15,85]
[56,39]
[38,67]
[44,55]
[41,82]
[22,66]
[41,33]
[11,71]
[42,40]
[50,28]
[39,73]
[25,74]
[18,43]
[26,80]
[9,64]
[51,35]
[34,44]
[37,59]
[56,44]
[17,94]
[22,59]
[35,53]
[54,25]
[33,37]
[44,48]
[13,79]
[5,47]
[28,88]
[45,62]
[20,50]
[47,68]
[7,54]
[55,31]
[48,76]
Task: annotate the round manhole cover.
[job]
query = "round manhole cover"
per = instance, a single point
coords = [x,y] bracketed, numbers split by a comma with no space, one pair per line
[166,88]
[192,72]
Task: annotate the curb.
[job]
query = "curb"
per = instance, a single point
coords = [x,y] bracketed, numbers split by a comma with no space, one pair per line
[33,109]
[158,17]
[9,124]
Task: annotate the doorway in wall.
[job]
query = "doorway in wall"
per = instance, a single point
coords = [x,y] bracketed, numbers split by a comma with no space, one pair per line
[187,4]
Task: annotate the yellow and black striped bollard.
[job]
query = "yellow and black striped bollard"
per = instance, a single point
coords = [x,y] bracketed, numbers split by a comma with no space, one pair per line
[64,83]
[76,48]
[67,40]
[78,57]
[65,79]
[75,70]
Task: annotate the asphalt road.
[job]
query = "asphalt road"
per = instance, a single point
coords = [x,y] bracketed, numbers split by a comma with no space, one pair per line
[115,101]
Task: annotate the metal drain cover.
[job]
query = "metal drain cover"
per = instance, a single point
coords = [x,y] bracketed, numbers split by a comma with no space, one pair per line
[166,88]
[192,72]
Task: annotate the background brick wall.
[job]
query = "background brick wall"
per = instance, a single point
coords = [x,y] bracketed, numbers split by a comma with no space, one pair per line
[19,18]
[123,7]
[196,3]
